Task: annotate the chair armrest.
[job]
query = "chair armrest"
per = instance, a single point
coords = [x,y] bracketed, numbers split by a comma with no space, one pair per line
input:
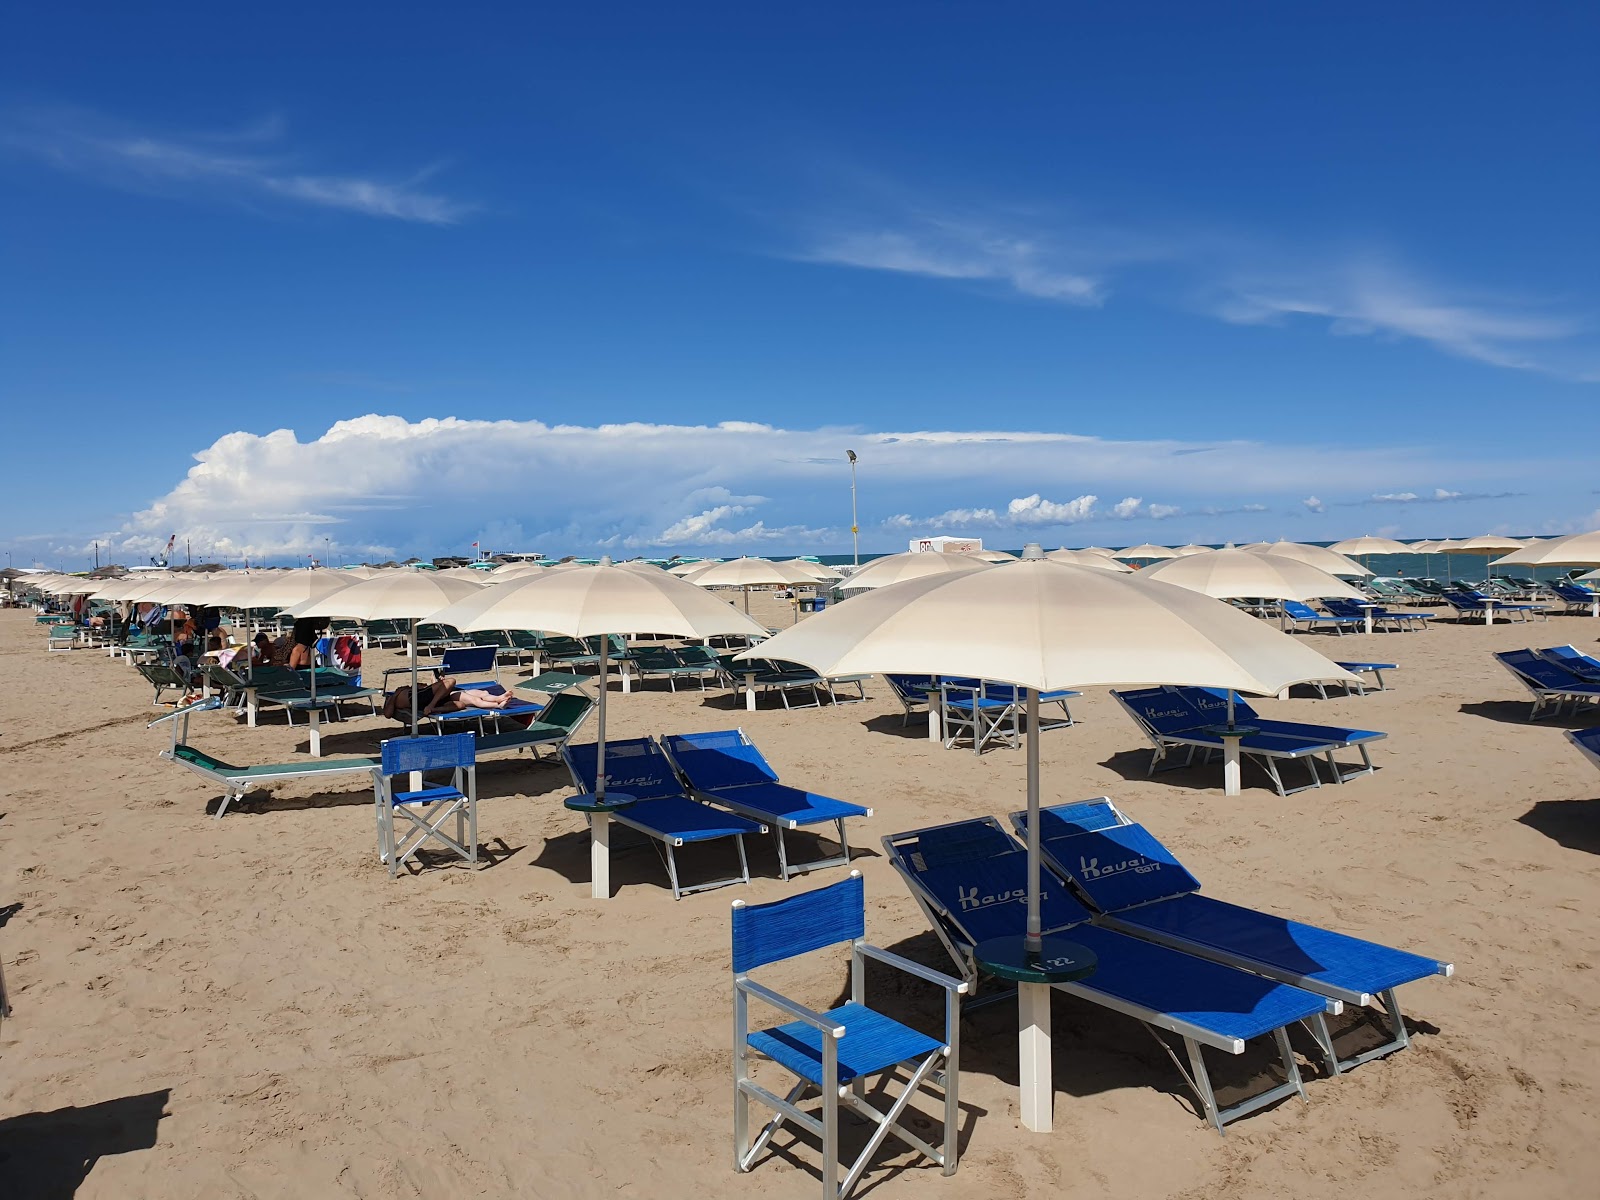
[784,1004]
[958,987]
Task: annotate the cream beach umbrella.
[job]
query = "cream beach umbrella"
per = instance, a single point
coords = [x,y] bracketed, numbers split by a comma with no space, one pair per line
[1191,549]
[408,596]
[1320,557]
[1042,626]
[1241,574]
[897,568]
[1145,550]
[1369,545]
[600,601]
[746,573]
[1488,545]
[989,556]
[690,567]
[817,571]
[1573,550]
[1083,558]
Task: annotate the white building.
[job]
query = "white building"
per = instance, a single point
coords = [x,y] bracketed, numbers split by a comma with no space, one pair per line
[945,545]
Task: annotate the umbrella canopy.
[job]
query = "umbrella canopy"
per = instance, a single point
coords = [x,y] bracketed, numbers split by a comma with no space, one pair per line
[1046,625]
[990,556]
[1085,558]
[595,602]
[1424,547]
[1049,625]
[287,589]
[688,568]
[1488,544]
[1574,550]
[816,570]
[748,572]
[897,568]
[1191,549]
[1236,574]
[1146,550]
[392,596]
[1320,557]
[1370,545]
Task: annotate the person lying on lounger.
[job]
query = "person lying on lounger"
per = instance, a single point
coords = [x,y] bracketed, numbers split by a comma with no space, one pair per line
[444,696]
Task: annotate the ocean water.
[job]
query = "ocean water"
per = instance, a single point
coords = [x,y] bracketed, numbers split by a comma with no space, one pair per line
[1468,567]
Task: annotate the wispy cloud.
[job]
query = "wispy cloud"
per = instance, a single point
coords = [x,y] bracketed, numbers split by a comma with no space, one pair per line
[248,165]
[947,248]
[1437,496]
[1374,299]
[1243,280]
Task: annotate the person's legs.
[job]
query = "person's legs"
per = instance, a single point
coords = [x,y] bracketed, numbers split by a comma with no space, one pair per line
[477,698]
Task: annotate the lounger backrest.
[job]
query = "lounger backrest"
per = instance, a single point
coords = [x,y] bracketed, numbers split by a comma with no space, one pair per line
[1342,607]
[1212,704]
[1299,610]
[1572,659]
[767,933]
[1159,711]
[635,767]
[1542,672]
[696,656]
[1065,820]
[1121,867]
[988,897]
[655,658]
[567,711]
[721,759]
[960,841]
[468,660]
[199,758]
[909,687]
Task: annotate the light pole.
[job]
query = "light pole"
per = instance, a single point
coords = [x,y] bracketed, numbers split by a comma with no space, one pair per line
[855,529]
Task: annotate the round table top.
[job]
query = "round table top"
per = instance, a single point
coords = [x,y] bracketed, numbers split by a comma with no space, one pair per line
[1056,961]
[1227,731]
[590,803]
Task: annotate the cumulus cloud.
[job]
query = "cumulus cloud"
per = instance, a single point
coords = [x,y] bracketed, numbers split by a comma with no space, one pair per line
[385,486]
[1314,504]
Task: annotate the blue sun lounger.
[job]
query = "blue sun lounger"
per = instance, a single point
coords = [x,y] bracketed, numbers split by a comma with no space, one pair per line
[970,879]
[725,768]
[1212,705]
[1551,684]
[1587,740]
[660,810]
[1309,618]
[1375,669]
[1342,607]
[1137,886]
[1171,724]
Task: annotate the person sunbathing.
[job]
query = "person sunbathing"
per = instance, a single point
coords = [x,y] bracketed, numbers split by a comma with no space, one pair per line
[444,696]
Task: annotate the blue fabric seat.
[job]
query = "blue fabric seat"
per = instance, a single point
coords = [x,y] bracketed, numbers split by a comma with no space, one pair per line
[1303,614]
[875,1043]
[1587,740]
[1136,885]
[725,768]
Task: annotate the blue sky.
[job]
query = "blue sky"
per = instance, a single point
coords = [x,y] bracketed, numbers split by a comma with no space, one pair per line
[391,279]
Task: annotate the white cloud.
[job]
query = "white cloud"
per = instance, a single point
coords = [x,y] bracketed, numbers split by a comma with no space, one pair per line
[947,249]
[1241,279]
[1314,504]
[385,486]
[217,166]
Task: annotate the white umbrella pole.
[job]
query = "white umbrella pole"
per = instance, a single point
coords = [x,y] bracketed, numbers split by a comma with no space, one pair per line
[1033,999]
[416,776]
[746,599]
[600,821]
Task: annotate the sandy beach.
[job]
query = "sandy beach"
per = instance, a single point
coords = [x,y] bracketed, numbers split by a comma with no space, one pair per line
[251,1007]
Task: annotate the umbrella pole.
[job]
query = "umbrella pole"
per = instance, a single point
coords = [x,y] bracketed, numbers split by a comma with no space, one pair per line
[1033,999]
[600,820]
